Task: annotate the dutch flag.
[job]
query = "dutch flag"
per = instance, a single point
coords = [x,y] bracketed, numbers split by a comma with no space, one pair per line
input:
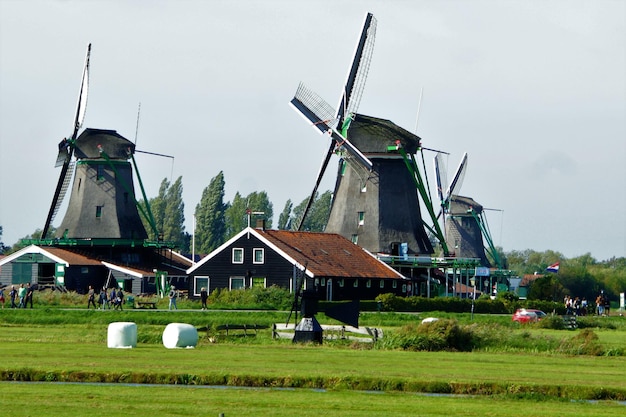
[553,268]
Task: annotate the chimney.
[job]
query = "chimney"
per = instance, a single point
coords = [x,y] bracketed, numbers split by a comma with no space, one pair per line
[260,224]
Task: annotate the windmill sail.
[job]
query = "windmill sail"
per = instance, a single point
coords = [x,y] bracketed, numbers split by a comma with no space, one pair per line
[457,181]
[66,148]
[357,75]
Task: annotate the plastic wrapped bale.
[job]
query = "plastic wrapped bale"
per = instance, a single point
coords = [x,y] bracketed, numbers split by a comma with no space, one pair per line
[122,335]
[180,335]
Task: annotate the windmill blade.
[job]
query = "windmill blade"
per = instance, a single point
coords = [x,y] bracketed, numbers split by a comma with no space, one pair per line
[320,114]
[455,185]
[81,108]
[353,89]
[314,109]
[441,176]
[354,152]
[320,175]
[66,148]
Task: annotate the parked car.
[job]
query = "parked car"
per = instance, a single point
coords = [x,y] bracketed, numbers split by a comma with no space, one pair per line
[526,315]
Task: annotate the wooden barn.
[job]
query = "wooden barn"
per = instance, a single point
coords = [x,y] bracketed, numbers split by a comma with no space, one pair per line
[75,269]
[335,267]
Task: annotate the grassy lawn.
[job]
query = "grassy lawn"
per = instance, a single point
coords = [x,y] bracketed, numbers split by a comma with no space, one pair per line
[337,377]
[113,400]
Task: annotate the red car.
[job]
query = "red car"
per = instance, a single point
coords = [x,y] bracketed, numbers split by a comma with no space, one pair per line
[526,315]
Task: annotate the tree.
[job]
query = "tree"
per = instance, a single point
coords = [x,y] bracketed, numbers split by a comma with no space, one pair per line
[284,220]
[168,210]
[318,213]
[174,214]
[237,212]
[210,230]
[2,247]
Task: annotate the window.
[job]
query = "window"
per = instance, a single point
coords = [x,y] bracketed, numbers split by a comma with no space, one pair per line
[323,282]
[356,283]
[259,255]
[258,282]
[84,270]
[98,212]
[382,283]
[361,215]
[237,255]
[355,239]
[368,283]
[199,283]
[403,287]
[395,284]
[341,283]
[237,283]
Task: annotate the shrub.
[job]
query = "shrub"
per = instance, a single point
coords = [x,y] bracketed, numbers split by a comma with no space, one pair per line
[439,335]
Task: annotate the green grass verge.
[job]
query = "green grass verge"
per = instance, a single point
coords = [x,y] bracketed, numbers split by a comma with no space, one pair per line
[115,400]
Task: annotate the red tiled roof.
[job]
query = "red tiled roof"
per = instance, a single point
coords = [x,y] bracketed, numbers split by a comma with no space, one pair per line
[329,254]
[71,257]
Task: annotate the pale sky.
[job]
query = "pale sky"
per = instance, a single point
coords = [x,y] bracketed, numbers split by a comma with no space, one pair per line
[533,90]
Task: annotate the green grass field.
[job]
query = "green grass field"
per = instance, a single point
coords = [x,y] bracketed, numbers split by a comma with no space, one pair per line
[66,353]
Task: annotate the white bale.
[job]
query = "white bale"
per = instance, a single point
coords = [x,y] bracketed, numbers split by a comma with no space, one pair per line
[122,335]
[429,320]
[180,335]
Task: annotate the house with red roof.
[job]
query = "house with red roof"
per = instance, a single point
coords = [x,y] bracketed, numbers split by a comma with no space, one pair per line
[333,266]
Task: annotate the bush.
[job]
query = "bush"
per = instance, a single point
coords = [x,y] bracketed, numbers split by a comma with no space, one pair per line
[272,298]
[438,335]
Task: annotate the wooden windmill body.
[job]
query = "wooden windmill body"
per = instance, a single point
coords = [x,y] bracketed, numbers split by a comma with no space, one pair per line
[375,202]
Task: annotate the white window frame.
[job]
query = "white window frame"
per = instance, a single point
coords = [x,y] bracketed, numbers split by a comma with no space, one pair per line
[254,253]
[361,218]
[237,250]
[368,283]
[196,287]
[382,283]
[233,278]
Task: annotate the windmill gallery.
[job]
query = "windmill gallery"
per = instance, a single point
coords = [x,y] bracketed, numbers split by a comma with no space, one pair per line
[383,234]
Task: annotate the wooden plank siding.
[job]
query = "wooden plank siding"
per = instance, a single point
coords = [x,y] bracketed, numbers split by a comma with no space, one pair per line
[337,268]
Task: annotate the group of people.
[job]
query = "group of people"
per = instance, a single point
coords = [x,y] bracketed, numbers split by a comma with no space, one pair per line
[113,300]
[20,297]
[579,307]
[576,306]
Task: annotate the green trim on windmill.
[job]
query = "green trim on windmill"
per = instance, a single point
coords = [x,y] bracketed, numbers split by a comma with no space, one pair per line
[130,192]
[419,184]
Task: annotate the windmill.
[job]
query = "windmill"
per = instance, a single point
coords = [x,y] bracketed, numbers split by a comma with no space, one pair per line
[102,202]
[375,201]
[464,220]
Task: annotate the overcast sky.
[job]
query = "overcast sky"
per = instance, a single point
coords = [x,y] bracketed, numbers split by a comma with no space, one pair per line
[534,91]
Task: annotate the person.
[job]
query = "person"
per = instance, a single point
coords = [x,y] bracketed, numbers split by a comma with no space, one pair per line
[204,296]
[583,306]
[29,295]
[607,305]
[102,300]
[112,297]
[600,303]
[91,298]
[120,298]
[21,293]
[2,297]
[172,296]
[13,295]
